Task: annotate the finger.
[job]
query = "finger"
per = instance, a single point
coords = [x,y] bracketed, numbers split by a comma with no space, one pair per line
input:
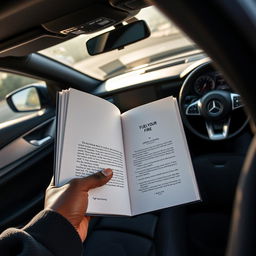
[96,180]
[52,184]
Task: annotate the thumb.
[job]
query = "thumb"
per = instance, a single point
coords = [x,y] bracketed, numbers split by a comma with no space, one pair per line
[96,180]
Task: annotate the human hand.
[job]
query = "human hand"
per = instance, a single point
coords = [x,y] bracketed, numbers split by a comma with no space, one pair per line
[71,200]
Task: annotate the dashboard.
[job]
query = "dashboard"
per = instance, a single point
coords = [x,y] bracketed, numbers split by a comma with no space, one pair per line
[200,78]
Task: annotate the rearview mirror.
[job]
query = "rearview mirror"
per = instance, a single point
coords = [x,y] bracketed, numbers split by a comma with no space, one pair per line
[27,99]
[118,38]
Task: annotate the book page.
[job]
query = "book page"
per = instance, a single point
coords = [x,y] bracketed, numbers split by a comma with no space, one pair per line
[93,141]
[61,119]
[159,168]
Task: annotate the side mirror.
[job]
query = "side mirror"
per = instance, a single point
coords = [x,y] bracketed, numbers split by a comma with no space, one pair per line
[118,38]
[29,98]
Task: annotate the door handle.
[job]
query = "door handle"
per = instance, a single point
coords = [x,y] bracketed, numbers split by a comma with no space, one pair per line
[41,142]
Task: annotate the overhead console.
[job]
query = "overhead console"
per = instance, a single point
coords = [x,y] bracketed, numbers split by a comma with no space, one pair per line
[89,20]
[49,30]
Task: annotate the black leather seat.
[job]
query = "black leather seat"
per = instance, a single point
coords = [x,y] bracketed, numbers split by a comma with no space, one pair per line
[160,233]
[200,228]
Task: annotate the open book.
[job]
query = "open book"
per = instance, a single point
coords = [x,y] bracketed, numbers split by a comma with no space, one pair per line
[145,147]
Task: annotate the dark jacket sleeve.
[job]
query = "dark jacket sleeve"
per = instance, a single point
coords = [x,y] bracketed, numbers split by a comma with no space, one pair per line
[48,234]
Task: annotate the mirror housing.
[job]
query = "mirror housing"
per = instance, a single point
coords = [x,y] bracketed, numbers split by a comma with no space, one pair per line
[118,38]
[29,98]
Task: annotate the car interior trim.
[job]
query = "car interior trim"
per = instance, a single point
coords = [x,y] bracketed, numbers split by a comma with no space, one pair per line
[24,145]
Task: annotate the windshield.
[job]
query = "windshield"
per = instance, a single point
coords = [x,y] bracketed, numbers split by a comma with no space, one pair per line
[166,41]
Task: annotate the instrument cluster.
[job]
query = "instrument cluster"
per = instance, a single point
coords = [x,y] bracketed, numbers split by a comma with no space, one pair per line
[208,82]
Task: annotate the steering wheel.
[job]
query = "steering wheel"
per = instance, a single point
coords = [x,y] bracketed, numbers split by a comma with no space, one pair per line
[215,114]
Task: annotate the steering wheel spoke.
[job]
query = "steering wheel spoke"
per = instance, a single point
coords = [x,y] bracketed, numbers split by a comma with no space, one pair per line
[193,109]
[236,101]
[218,130]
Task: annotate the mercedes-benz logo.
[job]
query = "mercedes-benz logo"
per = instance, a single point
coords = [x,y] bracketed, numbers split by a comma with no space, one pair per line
[215,107]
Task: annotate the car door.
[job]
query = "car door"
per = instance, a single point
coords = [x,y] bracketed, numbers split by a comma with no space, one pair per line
[26,147]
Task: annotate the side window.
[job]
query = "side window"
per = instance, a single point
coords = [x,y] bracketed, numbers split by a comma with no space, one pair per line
[8,83]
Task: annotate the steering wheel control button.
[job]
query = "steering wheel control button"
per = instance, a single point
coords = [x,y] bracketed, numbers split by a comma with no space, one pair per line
[236,101]
[193,109]
[214,107]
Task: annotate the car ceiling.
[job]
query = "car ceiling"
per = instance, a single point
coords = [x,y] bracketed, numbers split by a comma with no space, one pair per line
[21,16]
[28,26]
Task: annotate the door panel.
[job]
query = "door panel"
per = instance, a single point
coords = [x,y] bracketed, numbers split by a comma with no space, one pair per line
[26,168]
[35,140]
[26,156]
[22,188]
[25,172]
